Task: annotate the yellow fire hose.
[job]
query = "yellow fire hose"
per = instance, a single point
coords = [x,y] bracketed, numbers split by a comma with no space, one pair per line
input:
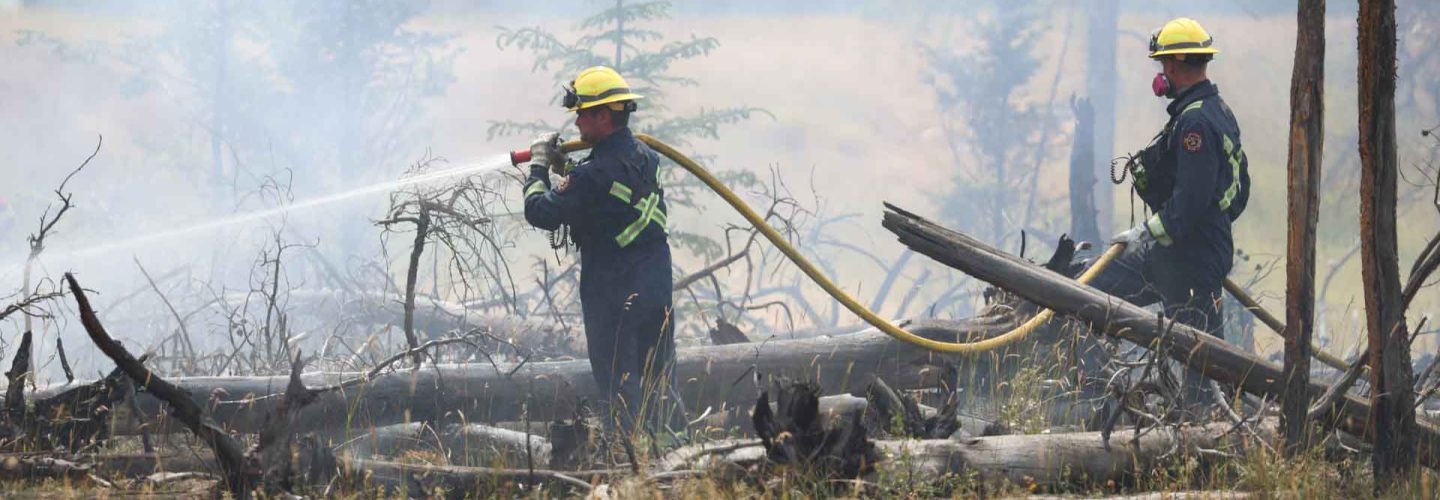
[834,290]
[1012,336]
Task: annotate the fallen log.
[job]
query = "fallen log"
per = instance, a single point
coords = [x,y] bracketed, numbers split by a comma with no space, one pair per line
[1211,356]
[144,464]
[1045,461]
[465,444]
[406,478]
[1059,461]
[717,377]
[15,467]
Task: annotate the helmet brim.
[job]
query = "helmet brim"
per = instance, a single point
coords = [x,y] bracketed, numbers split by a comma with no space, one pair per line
[607,100]
[1200,50]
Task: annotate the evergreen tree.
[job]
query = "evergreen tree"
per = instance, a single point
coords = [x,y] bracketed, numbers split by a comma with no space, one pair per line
[989,129]
[618,37]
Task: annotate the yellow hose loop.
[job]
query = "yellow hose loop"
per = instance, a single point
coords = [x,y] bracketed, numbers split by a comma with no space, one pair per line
[1012,336]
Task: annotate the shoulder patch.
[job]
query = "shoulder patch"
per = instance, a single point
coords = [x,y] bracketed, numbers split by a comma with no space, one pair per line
[563,185]
[1192,142]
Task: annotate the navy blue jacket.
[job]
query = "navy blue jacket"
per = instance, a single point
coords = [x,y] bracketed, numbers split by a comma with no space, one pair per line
[1196,180]
[606,201]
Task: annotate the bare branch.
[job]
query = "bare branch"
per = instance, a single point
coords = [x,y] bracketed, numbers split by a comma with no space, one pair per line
[25,303]
[239,473]
[179,320]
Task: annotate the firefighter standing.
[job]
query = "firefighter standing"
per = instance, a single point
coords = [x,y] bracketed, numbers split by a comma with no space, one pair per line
[615,212]
[1194,179]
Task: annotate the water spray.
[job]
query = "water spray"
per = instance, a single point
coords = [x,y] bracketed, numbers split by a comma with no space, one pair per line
[481,167]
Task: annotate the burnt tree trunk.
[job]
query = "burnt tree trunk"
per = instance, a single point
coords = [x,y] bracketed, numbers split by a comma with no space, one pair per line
[1082,175]
[1100,87]
[1307,118]
[422,226]
[1392,411]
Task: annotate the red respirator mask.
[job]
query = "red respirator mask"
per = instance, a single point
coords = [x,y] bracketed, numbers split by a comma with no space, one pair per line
[1160,85]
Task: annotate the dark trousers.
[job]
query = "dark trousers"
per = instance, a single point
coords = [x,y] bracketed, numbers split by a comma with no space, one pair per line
[1154,274]
[630,331]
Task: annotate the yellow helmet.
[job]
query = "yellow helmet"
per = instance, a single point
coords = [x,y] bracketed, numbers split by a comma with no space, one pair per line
[598,85]
[1181,36]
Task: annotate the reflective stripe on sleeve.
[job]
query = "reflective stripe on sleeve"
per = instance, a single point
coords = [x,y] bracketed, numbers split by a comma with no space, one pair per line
[620,191]
[1157,229]
[1234,155]
[535,187]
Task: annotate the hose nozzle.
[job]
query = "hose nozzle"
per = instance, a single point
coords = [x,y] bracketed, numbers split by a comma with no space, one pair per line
[519,156]
[523,155]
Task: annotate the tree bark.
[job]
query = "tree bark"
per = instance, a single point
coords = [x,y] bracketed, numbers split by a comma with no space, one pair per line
[1392,412]
[1211,356]
[1307,118]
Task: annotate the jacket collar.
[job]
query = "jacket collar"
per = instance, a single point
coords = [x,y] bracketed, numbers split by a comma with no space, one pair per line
[615,140]
[1198,91]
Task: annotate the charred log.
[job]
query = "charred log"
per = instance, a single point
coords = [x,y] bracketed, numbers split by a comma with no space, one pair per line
[902,415]
[726,333]
[793,433]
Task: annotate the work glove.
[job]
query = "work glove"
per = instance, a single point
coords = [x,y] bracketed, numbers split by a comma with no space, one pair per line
[1134,238]
[545,150]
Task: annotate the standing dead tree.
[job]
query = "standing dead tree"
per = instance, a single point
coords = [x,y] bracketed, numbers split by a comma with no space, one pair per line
[1083,212]
[1307,134]
[1392,410]
[47,224]
[455,217]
